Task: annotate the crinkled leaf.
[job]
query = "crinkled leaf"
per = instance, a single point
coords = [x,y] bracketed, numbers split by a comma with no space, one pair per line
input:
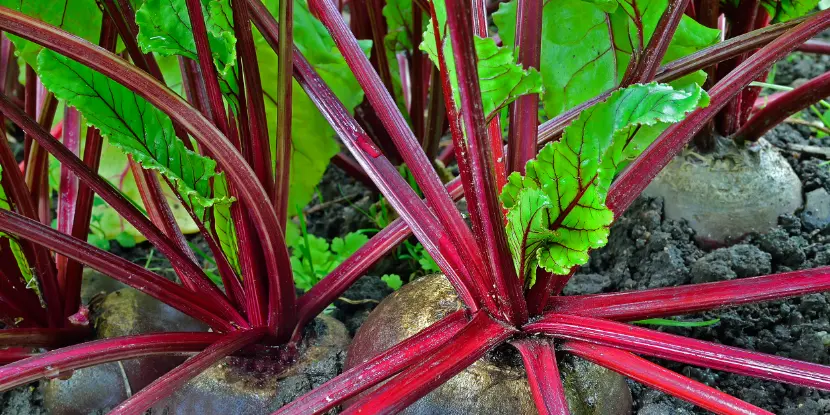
[784,10]
[556,212]
[165,28]
[313,143]
[17,251]
[502,79]
[587,48]
[79,17]
[131,124]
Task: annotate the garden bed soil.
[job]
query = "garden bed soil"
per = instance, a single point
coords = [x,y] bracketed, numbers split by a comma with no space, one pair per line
[645,251]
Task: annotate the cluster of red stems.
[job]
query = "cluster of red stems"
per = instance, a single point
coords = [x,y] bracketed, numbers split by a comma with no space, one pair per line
[261,308]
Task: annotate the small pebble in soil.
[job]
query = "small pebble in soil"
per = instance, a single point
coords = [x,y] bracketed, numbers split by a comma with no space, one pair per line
[816,214]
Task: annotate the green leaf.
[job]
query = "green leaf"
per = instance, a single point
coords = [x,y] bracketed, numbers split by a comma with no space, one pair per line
[313,143]
[106,222]
[393,281]
[17,251]
[398,14]
[79,17]
[133,125]
[556,212]
[312,258]
[223,225]
[165,28]
[502,79]
[125,240]
[344,247]
[587,45]
[784,10]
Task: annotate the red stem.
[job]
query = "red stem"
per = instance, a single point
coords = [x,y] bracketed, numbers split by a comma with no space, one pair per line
[681,349]
[187,268]
[378,368]
[118,268]
[418,84]
[239,174]
[422,221]
[53,364]
[80,224]
[815,46]
[546,387]
[281,293]
[473,341]
[68,191]
[633,180]
[675,69]
[656,49]
[408,146]
[8,356]
[258,126]
[524,112]
[342,277]
[42,337]
[487,212]
[73,271]
[742,21]
[784,106]
[482,285]
[672,301]
[662,379]
[176,378]
[285,83]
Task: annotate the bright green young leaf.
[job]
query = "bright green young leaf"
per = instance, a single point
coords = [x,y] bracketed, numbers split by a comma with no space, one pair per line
[131,124]
[313,258]
[587,45]
[502,79]
[79,17]
[17,251]
[784,10]
[393,281]
[344,247]
[556,212]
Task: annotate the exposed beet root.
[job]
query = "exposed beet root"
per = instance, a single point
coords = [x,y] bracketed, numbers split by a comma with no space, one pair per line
[120,313]
[729,193]
[496,383]
[261,384]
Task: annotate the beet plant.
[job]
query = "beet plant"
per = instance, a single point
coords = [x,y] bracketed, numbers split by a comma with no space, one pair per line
[232,167]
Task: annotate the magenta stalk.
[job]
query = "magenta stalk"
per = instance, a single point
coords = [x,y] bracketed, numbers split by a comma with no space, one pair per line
[680,349]
[176,378]
[476,338]
[672,301]
[783,107]
[539,358]
[662,379]
[57,362]
[377,369]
